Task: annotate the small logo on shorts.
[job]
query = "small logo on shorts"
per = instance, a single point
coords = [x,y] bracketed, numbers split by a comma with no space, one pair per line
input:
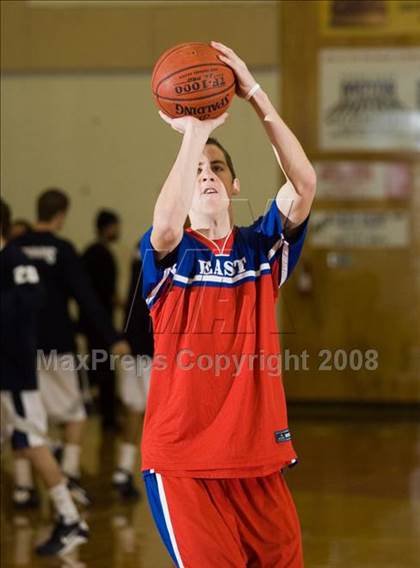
[282,436]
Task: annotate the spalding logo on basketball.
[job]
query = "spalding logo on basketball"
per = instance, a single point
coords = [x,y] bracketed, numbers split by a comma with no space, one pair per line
[190,80]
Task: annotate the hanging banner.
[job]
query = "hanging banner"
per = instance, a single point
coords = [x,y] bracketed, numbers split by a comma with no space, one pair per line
[349,180]
[369,17]
[359,229]
[369,99]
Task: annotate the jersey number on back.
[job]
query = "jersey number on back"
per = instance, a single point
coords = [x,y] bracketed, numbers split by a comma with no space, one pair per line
[25,275]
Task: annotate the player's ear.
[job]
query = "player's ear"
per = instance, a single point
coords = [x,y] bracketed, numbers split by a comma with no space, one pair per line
[236,186]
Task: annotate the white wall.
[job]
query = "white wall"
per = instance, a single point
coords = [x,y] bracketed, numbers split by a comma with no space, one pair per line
[99,137]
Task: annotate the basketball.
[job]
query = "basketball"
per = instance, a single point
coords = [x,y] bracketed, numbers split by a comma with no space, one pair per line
[190,80]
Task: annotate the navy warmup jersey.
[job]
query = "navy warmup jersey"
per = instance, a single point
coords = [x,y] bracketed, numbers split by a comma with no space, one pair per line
[21,299]
[63,277]
[139,327]
[100,265]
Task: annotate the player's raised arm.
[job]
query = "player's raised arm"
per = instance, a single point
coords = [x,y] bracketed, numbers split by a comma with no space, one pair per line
[176,195]
[295,197]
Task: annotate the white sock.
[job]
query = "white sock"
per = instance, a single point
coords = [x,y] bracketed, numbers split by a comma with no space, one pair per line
[23,473]
[70,464]
[127,457]
[63,503]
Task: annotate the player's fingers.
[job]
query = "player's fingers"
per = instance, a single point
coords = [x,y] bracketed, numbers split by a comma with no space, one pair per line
[220,119]
[224,58]
[216,44]
[231,60]
[222,47]
[165,117]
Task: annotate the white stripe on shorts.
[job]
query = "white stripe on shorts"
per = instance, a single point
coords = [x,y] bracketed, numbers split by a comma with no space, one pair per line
[34,421]
[165,508]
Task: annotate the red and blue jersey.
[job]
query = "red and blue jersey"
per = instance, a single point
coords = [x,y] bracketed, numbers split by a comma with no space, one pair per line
[216,405]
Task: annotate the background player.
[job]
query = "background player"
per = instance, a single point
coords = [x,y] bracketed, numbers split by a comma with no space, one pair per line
[100,265]
[63,276]
[19,227]
[214,444]
[134,381]
[21,403]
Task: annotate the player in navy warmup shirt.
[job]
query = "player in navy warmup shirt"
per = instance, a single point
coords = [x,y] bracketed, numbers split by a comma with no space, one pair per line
[21,404]
[99,263]
[63,276]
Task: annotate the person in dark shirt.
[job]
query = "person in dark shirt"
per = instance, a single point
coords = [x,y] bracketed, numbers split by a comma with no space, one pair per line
[100,265]
[19,227]
[138,323]
[63,277]
[21,403]
[134,381]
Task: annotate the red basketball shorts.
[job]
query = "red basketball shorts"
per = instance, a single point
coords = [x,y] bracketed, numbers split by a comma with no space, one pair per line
[221,523]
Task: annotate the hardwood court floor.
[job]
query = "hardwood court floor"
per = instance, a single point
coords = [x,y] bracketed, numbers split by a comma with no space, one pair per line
[357,490]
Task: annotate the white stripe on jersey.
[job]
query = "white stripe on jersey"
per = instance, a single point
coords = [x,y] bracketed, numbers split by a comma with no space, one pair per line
[277,245]
[284,263]
[158,286]
[264,267]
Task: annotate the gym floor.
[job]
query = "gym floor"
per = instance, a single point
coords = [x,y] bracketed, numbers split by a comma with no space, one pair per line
[357,490]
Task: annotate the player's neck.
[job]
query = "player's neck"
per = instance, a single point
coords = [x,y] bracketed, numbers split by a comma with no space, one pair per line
[212,227]
[44,226]
[103,241]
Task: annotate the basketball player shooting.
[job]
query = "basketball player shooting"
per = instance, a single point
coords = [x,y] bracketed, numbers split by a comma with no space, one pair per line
[216,439]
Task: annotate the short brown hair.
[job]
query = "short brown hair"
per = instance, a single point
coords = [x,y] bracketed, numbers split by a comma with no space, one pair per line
[226,154]
[50,202]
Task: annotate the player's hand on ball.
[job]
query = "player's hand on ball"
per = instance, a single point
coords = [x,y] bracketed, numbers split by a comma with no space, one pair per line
[184,122]
[244,78]
[179,124]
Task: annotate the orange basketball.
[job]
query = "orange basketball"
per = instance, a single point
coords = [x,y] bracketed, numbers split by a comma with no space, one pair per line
[190,80]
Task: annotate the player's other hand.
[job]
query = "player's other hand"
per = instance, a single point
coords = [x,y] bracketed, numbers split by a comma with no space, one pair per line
[121,348]
[185,123]
[245,80]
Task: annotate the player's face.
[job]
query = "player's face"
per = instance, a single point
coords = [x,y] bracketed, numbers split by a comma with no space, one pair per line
[113,232]
[214,183]
[59,220]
